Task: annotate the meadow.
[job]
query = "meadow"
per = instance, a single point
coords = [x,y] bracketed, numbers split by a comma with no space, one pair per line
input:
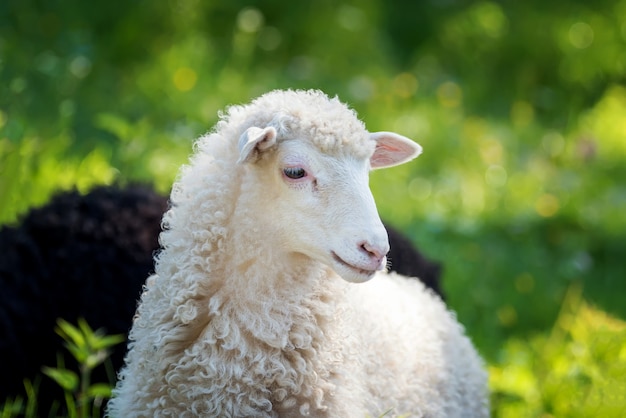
[520,108]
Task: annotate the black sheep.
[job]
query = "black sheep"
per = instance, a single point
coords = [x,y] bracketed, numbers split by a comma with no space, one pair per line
[78,256]
[88,256]
[404,258]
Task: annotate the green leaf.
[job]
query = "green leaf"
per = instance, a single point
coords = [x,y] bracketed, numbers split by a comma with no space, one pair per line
[70,333]
[31,389]
[94,359]
[108,341]
[99,390]
[80,353]
[67,379]
[11,407]
[88,333]
[84,327]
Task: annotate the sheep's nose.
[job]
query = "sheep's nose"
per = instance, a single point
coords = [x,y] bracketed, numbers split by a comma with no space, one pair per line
[375,252]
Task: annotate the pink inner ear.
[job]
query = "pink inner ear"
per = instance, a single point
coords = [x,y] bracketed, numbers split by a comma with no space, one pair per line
[392,149]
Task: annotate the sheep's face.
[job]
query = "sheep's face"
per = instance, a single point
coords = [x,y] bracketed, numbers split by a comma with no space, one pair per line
[319,204]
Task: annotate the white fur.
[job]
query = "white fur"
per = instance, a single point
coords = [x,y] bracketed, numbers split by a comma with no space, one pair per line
[248,315]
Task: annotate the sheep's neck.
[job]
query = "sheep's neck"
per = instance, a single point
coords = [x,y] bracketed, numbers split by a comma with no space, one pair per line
[269,298]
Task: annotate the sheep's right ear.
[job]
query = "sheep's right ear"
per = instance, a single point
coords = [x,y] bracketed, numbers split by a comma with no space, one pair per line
[392,149]
[255,140]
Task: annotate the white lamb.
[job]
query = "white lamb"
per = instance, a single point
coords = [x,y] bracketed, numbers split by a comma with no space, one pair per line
[270,299]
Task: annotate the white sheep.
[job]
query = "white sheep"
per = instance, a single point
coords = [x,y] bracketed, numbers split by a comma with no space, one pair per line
[269,297]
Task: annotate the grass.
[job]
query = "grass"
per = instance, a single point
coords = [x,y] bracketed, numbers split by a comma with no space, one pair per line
[578,369]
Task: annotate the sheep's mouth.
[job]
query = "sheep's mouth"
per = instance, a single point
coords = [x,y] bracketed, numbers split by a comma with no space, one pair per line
[359,270]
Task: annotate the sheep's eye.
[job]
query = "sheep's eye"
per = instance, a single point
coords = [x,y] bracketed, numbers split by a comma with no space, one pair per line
[294,173]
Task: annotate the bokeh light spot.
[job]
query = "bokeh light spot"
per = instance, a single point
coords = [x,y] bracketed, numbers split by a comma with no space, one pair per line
[496,176]
[420,189]
[270,38]
[18,85]
[361,87]
[491,18]
[250,20]
[450,94]
[80,66]
[185,79]
[522,113]
[553,143]
[351,18]
[301,67]
[525,283]
[507,315]
[491,151]
[581,35]
[412,125]
[405,85]
[47,62]
[67,108]
[547,205]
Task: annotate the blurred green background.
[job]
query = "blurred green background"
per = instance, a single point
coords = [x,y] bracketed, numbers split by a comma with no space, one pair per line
[520,108]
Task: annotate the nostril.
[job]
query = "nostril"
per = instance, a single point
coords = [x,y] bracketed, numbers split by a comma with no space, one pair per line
[373,251]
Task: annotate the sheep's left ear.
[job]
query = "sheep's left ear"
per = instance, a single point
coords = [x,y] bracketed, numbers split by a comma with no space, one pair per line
[392,149]
[255,140]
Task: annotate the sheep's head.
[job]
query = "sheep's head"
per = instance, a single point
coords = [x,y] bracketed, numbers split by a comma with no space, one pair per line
[315,194]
